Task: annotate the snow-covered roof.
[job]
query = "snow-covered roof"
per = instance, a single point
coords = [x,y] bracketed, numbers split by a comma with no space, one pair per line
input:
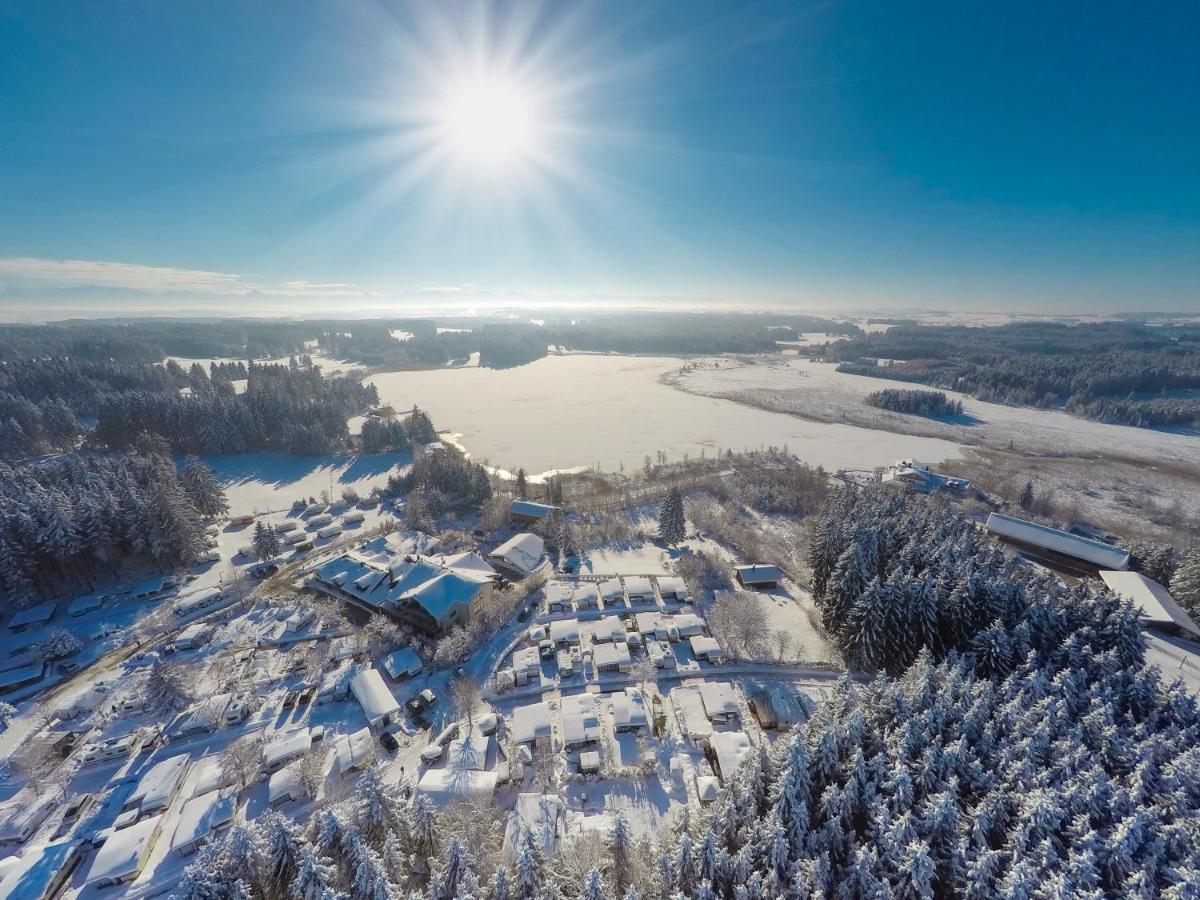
[444,785]
[84,605]
[194,632]
[373,695]
[522,552]
[629,708]
[203,716]
[353,751]
[122,855]
[34,615]
[32,874]
[586,594]
[708,788]
[758,573]
[21,674]
[25,813]
[687,623]
[283,785]
[469,752]
[638,586]
[611,590]
[615,653]
[530,722]
[565,631]
[702,645]
[1095,552]
[662,650]
[402,663]
[531,509]
[606,628]
[650,622]
[578,704]
[558,593]
[288,747]
[589,761]
[672,586]
[208,774]
[202,815]
[194,601]
[157,786]
[720,701]
[527,659]
[1151,598]
[468,561]
[542,815]
[376,577]
[730,748]
[690,706]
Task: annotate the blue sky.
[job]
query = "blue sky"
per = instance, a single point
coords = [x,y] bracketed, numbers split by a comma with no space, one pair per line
[1024,156]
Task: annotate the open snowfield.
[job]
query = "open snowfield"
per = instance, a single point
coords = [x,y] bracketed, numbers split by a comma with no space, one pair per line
[268,482]
[582,410]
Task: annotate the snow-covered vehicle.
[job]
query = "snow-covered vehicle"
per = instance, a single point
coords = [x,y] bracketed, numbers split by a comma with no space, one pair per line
[432,753]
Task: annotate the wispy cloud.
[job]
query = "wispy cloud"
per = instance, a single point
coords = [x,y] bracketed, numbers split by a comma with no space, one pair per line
[33,272]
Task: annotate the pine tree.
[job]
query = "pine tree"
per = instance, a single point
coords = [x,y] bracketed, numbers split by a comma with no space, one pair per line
[620,851]
[522,487]
[202,488]
[530,869]
[266,542]
[593,887]
[1185,586]
[672,527]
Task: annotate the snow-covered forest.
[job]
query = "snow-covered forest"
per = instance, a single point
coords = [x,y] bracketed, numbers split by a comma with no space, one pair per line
[71,519]
[924,403]
[1124,373]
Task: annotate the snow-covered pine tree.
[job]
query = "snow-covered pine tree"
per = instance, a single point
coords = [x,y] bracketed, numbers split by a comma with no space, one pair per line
[1185,586]
[672,527]
[202,488]
[266,541]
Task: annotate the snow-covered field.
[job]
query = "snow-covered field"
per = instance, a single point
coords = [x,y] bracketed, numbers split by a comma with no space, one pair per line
[584,409]
[818,391]
[265,482]
[1130,480]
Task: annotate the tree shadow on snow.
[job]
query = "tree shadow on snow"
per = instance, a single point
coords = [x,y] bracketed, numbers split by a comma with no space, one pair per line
[280,469]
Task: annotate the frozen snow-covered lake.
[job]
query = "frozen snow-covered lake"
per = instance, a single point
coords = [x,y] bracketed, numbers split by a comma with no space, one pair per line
[581,410]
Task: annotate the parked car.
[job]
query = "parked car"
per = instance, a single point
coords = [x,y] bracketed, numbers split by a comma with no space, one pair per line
[306,696]
[432,753]
[421,702]
[290,700]
[389,742]
[263,570]
[70,667]
[524,614]
[237,710]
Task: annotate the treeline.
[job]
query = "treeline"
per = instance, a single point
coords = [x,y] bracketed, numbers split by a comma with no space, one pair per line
[1116,372]
[67,520]
[151,340]
[921,403]
[288,409]
[507,343]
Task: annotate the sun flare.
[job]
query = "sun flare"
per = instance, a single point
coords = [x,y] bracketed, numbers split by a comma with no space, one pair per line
[490,122]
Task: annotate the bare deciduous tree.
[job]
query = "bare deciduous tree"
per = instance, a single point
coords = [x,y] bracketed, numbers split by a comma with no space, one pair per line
[740,622]
[465,696]
[310,771]
[783,643]
[242,761]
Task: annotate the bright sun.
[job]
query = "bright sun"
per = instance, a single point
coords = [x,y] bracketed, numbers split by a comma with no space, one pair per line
[490,122]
